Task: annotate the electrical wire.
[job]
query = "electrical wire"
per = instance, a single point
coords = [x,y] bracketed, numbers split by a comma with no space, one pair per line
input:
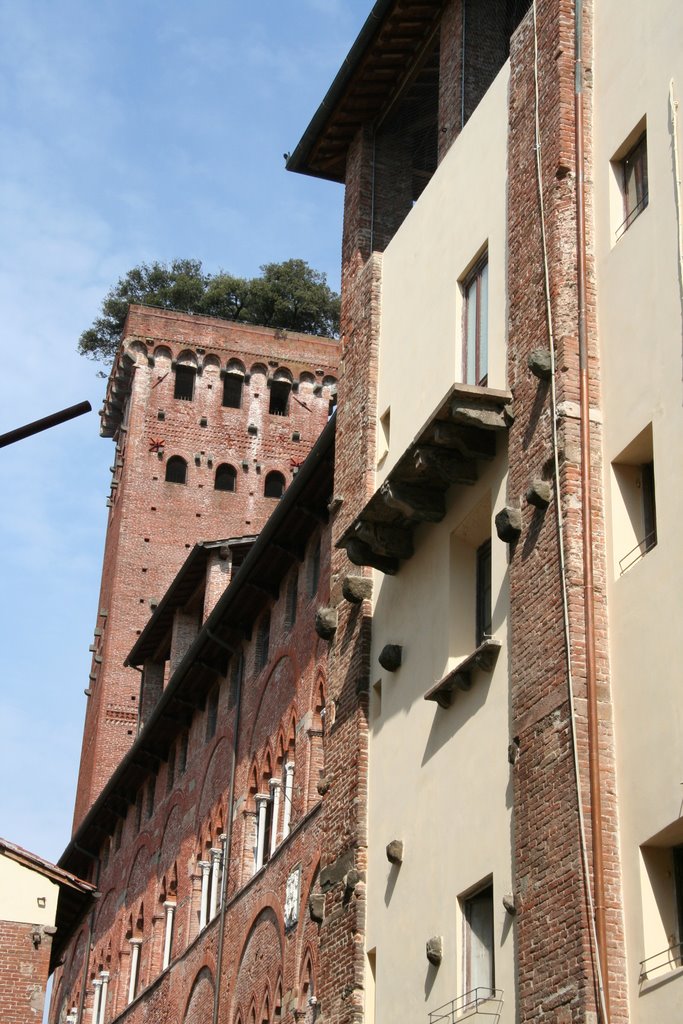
[560,533]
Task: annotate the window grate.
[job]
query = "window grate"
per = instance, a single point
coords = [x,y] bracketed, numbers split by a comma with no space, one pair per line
[482,1002]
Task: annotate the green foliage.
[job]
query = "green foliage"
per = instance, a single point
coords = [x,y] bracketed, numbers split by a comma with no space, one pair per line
[289,296]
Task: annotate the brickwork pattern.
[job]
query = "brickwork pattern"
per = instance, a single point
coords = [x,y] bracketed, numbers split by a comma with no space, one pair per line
[153,523]
[24,971]
[555,975]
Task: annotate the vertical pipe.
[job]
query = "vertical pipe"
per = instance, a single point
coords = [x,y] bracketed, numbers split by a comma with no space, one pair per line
[587,522]
[169,906]
[289,786]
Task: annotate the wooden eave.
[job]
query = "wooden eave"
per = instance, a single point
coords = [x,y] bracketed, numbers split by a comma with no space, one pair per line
[374,72]
[445,453]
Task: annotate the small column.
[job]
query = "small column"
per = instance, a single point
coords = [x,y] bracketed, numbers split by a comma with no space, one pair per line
[215,876]
[169,907]
[104,975]
[205,865]
[289,786]
[134,968]
[262,807]
[72,1015]
[97,992]
[275,786]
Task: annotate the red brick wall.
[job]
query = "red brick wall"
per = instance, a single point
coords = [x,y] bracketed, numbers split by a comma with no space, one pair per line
[153,523]
[23,973]
[280,712]
[555,976]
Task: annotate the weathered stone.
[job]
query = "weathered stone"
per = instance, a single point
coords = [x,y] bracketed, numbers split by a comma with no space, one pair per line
[435,949]
[316,907]
[351,880]
[323,785]
[446,466]
[384,539]
[395,851]
[357,589]
[390,657]
[326,621]
[509,524]
[540,364]
[539,494]
[509,903]
[416,504]
[467,441]
[336,871]
[362,554]
[491,418]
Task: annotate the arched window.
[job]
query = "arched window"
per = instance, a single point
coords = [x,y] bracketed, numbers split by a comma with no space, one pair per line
[275,485]
[226,478]
[176,470]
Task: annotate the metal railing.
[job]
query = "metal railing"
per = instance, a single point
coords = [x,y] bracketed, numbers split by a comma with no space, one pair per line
[636,553]
[637,209]
[669,959]
[485,1002]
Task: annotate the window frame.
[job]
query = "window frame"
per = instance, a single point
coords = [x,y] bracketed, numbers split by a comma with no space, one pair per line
[475,350]
[228,472]
[278,402]
[474,899]
[272,476]
[484,602]
[635,192]
[184,382]
[232,382]
[175,461]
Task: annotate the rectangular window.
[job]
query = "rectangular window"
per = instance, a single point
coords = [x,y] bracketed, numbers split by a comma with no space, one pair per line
[662,896]
[184,383]
[292,600]
[483,592]
[263,642]
[634,512]
[182,753]
[279,397]
[138,810]
[232,390]
[476,327]
[314,570]
[151,793]
[170,769]
[634,183]
[478,944]
[211,714]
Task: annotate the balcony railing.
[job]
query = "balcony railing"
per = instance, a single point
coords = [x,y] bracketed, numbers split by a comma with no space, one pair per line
[657,965]
[484,1002]
[636,553]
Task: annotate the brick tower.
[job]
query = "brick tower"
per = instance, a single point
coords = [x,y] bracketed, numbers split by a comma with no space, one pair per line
[210,421]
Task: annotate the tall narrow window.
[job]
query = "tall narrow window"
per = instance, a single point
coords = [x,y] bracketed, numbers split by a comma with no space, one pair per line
[232,390]
[182,752]
[634,183]
[170,769]
[279,397]
[184,383]
[483,592]
[314,570]
[263,641]
[211,714]
[274,486]
[226,477]
[176,470]
[292,600]
[151,794]
[476,354]
[479,957]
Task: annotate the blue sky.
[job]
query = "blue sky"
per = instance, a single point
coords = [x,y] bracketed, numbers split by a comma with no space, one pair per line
[129,132]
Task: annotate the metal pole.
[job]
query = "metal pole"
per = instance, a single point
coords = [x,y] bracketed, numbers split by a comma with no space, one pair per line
[47,421]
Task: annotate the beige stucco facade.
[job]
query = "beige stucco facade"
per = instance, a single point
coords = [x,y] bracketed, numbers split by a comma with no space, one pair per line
[26,896]
[439,778]
[640,315]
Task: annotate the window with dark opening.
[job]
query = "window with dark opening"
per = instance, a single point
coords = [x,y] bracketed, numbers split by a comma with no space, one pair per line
[211,714]
[274,485]
[170,769]
[184,383]
[232,390]
[314,570]
[182,752]
[279,397]
[263,642]
[151,793]
[292,600]
[483,592]
[226,478]
[476,333]
[634,183]
[176,470]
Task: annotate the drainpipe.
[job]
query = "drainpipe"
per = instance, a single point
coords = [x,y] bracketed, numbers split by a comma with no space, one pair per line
[227,838]
[586,521]
[91,929]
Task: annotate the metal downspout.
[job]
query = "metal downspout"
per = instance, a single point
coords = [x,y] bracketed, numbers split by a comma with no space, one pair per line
[586,519]
[226,844]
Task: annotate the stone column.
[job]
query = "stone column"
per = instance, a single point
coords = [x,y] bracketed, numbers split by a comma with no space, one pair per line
[97,992]
[289,786]
[134,968]
[169,907]
[275,818]
[204,905]
[215,876]
[104,975]
[262,807]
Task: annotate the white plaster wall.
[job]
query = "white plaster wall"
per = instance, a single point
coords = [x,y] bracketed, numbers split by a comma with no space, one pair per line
[461,211]
[638,48]
[20,890]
